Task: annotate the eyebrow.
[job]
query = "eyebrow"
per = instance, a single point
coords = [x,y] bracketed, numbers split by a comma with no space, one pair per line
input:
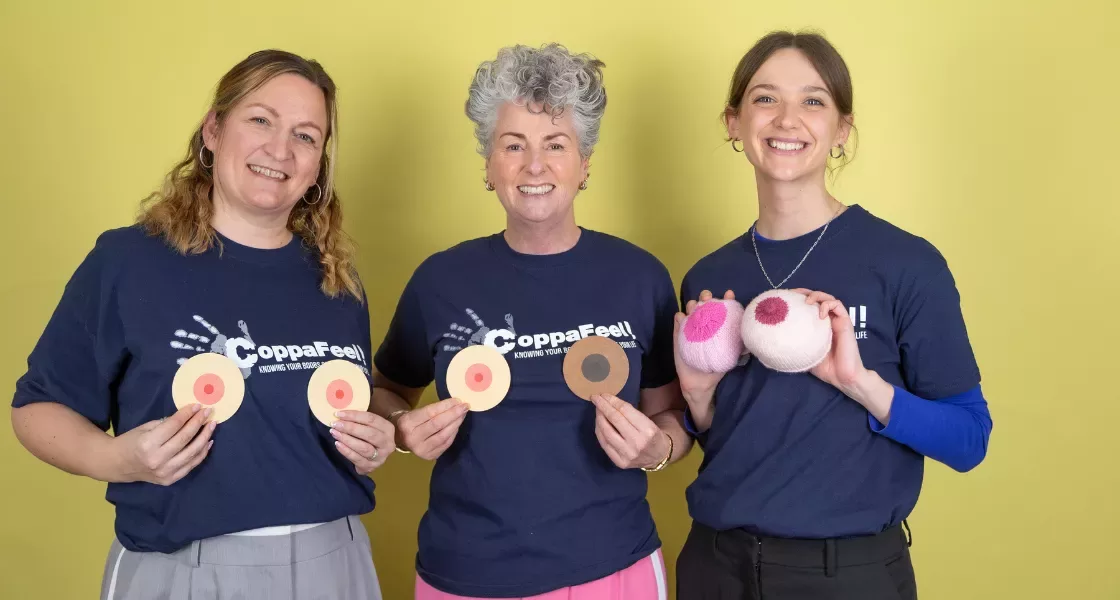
[273,112]
[808,88]
[522,136]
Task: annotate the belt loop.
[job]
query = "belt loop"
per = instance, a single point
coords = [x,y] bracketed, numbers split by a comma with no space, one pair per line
[909,536]
[196,553]
[350,526]
[830,557]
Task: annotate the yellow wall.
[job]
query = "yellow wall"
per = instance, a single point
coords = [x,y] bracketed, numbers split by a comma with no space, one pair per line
[991,131]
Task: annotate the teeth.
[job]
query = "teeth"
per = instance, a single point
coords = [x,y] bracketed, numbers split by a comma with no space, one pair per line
[786,145]
[535,190]
[268,172]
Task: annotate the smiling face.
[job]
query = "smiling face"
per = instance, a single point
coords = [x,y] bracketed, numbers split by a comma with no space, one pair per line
[535,167]
[267,149]
[788,120]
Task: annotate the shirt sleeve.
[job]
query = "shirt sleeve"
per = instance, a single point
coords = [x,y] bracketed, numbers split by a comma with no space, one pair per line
[937,357]
[405,355]
[658,366]
[939,412]
[952,430]
[690,427]
[78,359]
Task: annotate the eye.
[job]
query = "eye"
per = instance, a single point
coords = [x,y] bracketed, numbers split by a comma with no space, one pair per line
[763,99]
[513,147]
[814,102]
[306,138]
[259,120]
[555,146]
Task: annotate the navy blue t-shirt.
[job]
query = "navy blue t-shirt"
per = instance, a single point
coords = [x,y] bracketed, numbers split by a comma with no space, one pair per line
[788,455]
[525,500]
[135,309]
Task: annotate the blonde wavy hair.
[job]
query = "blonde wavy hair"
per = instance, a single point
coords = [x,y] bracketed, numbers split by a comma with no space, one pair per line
[181,211]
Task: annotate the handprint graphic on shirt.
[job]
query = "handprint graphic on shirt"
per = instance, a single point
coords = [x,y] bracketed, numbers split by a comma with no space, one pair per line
[219,344]
[480,335]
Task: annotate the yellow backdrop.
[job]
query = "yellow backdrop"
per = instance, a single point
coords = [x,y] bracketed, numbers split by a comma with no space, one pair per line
[990,128]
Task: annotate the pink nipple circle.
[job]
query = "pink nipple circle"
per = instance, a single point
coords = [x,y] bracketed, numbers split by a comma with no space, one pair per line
[771,311]
[705,321]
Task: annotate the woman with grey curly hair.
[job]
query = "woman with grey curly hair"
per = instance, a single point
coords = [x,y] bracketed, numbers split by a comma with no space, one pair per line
[542,495]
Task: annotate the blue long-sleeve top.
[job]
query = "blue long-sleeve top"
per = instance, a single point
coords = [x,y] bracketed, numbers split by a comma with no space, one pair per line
[952,430]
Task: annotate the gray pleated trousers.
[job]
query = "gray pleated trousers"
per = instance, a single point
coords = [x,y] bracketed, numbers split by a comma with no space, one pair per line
[332,561]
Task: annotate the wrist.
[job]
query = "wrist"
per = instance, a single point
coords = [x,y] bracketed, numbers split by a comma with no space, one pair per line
[398,438]
[664,461]
[872,392]
[109,461]
[700,412]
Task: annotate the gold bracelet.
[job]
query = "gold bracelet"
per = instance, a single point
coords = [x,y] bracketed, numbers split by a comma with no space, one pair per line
[393,416]
[664,461]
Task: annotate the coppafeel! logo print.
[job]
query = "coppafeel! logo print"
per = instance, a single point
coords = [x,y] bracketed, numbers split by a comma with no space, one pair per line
[219,343]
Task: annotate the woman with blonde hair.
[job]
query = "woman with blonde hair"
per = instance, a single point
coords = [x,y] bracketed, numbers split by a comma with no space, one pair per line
[241,255]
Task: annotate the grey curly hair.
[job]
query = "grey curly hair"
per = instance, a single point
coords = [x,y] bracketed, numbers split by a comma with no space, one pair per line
[549,76]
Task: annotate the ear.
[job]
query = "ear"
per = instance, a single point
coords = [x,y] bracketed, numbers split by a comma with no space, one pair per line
[584,165]
[731,121]
[845,129]
[210,131]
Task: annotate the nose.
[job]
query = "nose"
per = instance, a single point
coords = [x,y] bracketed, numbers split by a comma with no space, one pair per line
[787,116]
[536,164]
[279,145]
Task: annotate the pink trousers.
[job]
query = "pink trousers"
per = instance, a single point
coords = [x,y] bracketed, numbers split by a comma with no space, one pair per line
[644,580]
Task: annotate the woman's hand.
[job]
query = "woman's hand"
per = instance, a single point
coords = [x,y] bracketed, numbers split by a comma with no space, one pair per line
[630,439]
[163,452]
[843,367]
[697,387]
[429,431]
[364,438]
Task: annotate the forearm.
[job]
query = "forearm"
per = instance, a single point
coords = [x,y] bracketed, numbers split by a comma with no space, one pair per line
[671,422]
[701,407]
[953,431]
[388,396]
[384,402]
[874,393]
[61,437]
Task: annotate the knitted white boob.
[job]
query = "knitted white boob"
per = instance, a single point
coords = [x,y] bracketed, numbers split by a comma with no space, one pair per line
[786,333]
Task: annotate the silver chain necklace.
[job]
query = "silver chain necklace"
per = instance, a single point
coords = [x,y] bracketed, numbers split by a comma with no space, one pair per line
[783,282]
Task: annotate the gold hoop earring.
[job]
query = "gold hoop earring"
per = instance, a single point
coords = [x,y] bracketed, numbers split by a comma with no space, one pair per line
[740,148]
[583,184]
[837,155]
[489,186]
[317,198]
[203,162]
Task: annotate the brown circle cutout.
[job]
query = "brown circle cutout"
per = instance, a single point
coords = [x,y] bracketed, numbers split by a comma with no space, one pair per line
[596,365]
[212,380]
[337,385]
[478,375]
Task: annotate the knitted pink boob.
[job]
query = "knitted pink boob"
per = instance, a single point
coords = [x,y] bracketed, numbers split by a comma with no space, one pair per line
[786,333]
[710,340]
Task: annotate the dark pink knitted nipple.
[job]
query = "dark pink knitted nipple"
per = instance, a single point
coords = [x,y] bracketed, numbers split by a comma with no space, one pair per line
[771,311]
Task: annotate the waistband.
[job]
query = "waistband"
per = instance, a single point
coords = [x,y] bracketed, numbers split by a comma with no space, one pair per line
[829,554]
[305,542]
[277,530]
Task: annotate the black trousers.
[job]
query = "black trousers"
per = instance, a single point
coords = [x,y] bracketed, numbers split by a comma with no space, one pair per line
[735,565]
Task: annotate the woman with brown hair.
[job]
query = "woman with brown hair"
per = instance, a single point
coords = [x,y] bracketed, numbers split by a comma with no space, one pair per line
[246,496]
[808,476]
